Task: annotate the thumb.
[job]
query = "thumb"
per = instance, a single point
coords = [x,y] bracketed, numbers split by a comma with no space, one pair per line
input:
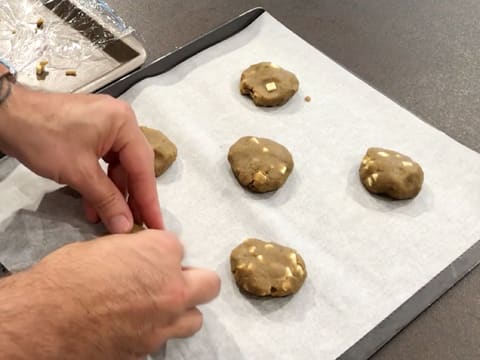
[109,203]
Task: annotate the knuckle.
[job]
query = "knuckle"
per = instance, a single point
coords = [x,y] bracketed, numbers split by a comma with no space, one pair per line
[165,241]
[172,243]
[106,201]
[90,177]
[179,295]
[119,111]
[82,175]
[102,97]
[123,109]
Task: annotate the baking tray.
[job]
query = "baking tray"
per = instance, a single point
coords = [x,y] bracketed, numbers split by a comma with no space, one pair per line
[414,306]
[410,309]
[117,58]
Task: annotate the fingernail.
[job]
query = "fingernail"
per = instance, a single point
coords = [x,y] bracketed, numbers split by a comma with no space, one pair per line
[119,224]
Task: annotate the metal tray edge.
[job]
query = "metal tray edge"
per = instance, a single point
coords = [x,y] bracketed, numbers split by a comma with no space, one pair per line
[406,313]
[121,70]
[184,52]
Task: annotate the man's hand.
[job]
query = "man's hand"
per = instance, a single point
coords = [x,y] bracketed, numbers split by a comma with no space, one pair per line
[63,136]
[120,297]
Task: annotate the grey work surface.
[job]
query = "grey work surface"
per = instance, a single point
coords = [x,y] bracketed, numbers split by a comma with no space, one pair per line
[423,55]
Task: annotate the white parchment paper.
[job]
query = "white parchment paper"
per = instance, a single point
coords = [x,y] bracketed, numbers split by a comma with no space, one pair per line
[365,256]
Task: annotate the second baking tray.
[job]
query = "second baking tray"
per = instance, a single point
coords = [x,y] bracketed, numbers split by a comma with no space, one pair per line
[106,63]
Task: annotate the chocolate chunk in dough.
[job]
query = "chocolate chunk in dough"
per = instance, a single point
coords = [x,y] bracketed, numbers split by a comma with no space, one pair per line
[165,150]
[267,269]
[387,172]
[137,228]
[260,164]
[268,84]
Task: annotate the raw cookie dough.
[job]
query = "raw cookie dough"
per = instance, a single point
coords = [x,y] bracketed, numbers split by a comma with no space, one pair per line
[387,172]
[260,164]
[165,151]
[268,84]
[267,269]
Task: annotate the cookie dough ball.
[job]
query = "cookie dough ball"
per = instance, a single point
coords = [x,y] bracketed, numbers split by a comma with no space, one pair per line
[268,84]
[389,173]
[267,269]
[165,150]
[260,164]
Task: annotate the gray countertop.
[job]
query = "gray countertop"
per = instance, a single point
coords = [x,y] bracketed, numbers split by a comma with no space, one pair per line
[424,54]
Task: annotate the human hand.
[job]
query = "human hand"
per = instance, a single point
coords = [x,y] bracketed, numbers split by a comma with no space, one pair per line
[119,297]
[63,136]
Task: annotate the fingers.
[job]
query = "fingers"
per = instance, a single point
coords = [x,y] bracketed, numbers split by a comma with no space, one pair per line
[186,325]
[199,286]
[104,197]
[136,158]
[202,286]
[137,217]
[90,212]
[117,175]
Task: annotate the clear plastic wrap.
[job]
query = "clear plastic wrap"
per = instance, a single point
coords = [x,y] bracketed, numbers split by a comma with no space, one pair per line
[34,30]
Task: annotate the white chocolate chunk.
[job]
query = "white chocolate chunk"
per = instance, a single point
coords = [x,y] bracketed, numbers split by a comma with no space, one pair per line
[268,246]
[255,140]
[293,257]
[40,69]
[288,272]
[300,270]
[407,163]
[260,177]
[369,181]
[252,249]
[283,169]
[241,266]
[260,258]
[382,154]
[40,23]
[375,176]
[71,72]
[265,149]
[271,86]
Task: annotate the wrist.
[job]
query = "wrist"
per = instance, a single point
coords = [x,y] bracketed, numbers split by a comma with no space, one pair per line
[8,77]
[34,317]
[18,114]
